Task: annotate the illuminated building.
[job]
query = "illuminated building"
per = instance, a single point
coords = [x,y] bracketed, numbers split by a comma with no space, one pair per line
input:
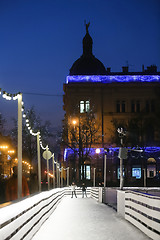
[116,98]
[7,155]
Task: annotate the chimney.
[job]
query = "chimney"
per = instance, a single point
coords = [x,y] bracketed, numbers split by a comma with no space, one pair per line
[152,69]
[108,70]
[125,69]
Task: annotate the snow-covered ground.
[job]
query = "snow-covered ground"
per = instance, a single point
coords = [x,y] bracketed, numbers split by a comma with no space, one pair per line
[84,218]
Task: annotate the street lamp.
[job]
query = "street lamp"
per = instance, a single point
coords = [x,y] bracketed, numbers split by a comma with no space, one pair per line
[74,122]
[19,145]
[105,163]
[94,177]
[98,150]
[122,154]
[67,176]
[39,161]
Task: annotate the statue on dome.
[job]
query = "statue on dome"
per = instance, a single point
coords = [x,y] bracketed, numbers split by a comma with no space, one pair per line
[87,26]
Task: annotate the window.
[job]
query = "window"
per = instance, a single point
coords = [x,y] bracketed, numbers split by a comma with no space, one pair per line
[132,107]
[138,106]
[152,106]
[81,106]
[84,106]
[123,106]
[118,173]
[135,106]
[120,106]
[151,174]
[136,172]
[87,172]
[87,106]
[147,106]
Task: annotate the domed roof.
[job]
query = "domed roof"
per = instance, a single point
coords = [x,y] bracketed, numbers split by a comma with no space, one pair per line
[87,64]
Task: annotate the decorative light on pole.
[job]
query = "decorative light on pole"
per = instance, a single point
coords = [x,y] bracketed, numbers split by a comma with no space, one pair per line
[47,155]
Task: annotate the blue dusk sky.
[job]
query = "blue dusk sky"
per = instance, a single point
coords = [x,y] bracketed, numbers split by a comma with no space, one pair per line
[41,39]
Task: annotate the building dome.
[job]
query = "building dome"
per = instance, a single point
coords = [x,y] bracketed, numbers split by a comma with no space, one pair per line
[87,64]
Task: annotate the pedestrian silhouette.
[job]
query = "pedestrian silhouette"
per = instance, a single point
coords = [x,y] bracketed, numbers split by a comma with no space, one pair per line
[73,188]
[84,188]
[12,186]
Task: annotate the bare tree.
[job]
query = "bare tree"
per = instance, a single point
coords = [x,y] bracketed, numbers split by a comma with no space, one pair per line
[29,144]
[80,133]
[2,124]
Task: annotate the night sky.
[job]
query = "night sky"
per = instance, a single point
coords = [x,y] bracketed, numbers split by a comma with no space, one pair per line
[41,39]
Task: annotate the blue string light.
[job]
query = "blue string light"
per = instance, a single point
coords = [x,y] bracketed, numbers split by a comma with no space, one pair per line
[112,78]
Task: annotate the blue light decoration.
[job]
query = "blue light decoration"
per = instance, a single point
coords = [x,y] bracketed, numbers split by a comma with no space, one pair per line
[147,151]
[112,78]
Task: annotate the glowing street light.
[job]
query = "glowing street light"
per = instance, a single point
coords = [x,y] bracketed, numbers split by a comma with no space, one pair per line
[11,151]
[98,150]
[4,147]
[74,122]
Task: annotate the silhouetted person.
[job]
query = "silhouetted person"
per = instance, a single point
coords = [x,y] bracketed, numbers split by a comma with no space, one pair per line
[12,186]
[84,190]
[73,188]
[33,183]
[2,190]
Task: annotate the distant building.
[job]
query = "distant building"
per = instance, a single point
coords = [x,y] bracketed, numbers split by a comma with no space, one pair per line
[7,156]
[117,99]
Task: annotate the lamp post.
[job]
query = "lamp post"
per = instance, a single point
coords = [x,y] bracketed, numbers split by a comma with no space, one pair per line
[105,166]
[94,177]
[61,177]
[47,155]
[67,176]
[39,163]
[94,170]
[57,173]
[53,171]
[19,145]
[48,169]
[121,133]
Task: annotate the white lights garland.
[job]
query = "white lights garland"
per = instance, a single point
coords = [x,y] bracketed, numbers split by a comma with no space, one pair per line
[10,96]
[28,125]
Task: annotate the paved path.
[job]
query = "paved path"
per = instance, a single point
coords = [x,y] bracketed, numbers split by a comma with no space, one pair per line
[86,219]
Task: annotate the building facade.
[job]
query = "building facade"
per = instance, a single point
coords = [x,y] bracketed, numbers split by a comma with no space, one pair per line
[122,99]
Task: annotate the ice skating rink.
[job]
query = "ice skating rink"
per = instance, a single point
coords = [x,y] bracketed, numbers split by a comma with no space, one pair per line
[84,218]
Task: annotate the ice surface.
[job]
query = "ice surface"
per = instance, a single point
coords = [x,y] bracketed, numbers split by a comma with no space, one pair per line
[84,218]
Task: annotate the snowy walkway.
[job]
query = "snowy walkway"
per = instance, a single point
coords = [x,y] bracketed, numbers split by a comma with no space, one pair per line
[84,218]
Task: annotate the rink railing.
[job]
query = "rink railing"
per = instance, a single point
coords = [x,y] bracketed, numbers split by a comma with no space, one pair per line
[142,210]
[22,219]
[96,193]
